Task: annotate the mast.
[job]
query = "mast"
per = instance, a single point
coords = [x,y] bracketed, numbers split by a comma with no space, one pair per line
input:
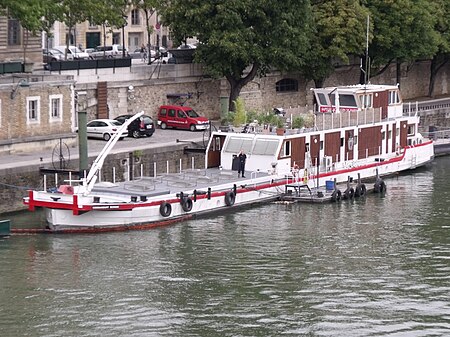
[92,176]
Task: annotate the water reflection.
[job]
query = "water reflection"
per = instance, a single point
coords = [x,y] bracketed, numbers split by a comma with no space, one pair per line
[376,266]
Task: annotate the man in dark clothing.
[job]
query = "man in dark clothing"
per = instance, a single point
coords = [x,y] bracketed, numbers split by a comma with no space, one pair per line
[242,157]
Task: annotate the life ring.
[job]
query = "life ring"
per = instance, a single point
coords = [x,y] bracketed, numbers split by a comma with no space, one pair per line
[186,204]
[336,195]
[230,198]
[360,190]
[379,186]
[165,209]
[349,193]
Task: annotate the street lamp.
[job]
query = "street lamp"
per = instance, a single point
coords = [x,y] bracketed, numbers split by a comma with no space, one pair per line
[125,21]
[22,83]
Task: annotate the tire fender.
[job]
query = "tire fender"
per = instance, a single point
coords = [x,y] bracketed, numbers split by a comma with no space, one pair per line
[165,209]
[230,198]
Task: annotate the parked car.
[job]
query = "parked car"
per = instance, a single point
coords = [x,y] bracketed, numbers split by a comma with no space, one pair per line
[143,126]
[104,129]
[74,51]
[51,55]
[111,51]
[181,117]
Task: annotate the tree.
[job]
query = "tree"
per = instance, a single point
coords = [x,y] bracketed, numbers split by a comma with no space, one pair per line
[240,39]
[404,31]
[339,30]
[149,8]
[443,54]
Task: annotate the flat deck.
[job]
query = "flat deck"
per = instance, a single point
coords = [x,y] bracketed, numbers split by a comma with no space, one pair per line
[187,180]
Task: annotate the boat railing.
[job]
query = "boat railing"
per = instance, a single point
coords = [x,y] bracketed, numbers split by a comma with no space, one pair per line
[346,118]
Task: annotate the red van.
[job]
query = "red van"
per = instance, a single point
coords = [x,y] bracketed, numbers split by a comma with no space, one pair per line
[181,117]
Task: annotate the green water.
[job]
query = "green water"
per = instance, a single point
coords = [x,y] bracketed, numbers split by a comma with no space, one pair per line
[378,266]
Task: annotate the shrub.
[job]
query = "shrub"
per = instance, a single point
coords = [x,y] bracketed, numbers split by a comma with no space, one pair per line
[240,116]
[298,122]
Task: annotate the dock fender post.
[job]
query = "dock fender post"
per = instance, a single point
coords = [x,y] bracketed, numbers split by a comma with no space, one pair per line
[360,190]
[230,198]
[165,209]
[379,186]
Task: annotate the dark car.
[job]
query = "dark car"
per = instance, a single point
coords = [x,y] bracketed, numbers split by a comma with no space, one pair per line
[143,126]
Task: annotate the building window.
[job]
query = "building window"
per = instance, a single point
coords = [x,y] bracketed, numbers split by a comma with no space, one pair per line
[55,107]
[135,19]
[116,38]
[33,109]
[13,32]
[286,85]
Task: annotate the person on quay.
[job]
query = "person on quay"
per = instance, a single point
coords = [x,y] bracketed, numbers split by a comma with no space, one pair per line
[242,158]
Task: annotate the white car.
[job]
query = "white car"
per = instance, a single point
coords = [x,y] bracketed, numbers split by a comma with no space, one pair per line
[73,53]
[104,129]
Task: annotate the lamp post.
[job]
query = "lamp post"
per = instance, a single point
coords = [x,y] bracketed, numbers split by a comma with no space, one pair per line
[125,20]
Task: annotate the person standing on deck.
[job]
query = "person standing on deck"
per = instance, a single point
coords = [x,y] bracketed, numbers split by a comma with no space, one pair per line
[242,158]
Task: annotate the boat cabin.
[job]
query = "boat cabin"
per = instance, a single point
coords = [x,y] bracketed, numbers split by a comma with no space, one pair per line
[384,99]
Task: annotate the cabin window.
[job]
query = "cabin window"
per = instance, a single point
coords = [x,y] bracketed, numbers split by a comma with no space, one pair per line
[393,97]
[236,144]
[321,144]
[342,142]
[286,149]
[390,134]
[307,147]
[383,135]
[344,100]
[265,147]
[366,101]
[322,99]
[411,131]
[286,85]
[355,140]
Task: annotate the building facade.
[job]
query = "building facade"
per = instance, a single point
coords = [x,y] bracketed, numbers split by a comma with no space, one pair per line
[132,35]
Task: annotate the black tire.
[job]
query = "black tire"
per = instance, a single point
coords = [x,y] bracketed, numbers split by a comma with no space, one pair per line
[106,137]
[336,195]
[379,187]
[349,193]
[135,134]
[230,198]
[360,190]
[163,126]
[165,209]
[192,127]
[186,204]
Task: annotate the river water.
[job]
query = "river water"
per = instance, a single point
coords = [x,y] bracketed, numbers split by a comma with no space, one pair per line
[377,266]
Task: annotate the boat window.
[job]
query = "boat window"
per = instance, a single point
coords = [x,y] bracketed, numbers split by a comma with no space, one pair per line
[344,100]
[235,145]
[390,134]
[383,135]
[322,99]
[411,130]
[393,97]
[366,101]
[286,149]
[265,146]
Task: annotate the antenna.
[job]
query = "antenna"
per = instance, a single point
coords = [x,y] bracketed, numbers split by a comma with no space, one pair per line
[366,73]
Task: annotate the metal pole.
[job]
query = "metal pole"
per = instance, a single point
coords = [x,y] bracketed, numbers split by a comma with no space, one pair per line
[82,141]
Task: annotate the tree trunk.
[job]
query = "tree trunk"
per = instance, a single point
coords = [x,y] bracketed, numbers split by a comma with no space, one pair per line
[318,82]
[437,62]
[236,85]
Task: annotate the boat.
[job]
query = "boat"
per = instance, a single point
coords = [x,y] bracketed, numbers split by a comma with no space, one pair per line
[360,134]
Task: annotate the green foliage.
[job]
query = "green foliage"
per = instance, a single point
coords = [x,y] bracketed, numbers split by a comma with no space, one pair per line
[403,30]
[279,122]
[240,116]
[228,118]
[236,35]
[298,122]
